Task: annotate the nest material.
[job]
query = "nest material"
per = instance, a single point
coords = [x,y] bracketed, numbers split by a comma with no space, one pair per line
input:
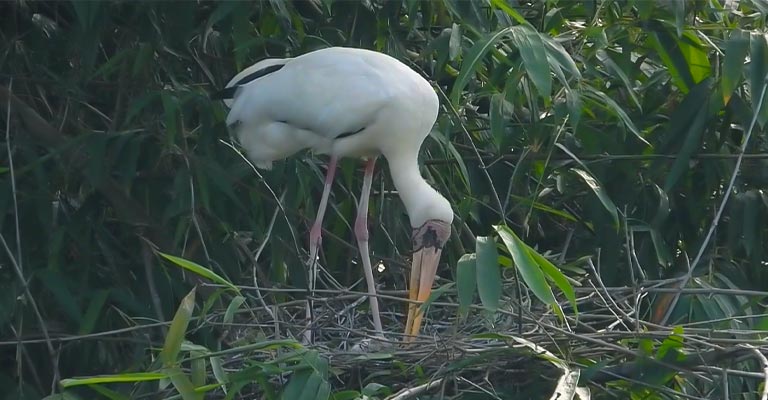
[507,352]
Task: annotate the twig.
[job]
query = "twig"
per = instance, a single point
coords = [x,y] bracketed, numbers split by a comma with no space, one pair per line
[415,391]
[17,261]
[35,308]
[764,363]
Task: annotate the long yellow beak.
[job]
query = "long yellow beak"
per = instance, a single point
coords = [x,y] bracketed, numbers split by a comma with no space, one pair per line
[423,270]
[428,241]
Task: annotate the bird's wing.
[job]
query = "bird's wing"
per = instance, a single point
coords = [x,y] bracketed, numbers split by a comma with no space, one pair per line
[329,92]
[250,74]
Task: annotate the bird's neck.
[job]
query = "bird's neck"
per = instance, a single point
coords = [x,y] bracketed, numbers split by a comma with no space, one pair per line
[421,201]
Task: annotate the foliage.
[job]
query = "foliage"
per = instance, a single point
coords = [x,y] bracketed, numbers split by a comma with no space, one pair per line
[593,153]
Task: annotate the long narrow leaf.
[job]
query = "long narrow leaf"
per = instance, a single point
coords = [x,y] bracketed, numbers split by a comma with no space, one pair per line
[178,329]
[199,270]
[526,265]
[488,272]
[118,378]
[473,60]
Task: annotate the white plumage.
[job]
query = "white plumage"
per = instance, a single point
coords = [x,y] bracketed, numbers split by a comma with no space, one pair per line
[346,102]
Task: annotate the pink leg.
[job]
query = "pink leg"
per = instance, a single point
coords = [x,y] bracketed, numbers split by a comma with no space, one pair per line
[315,238]
[315,234]
[361,233]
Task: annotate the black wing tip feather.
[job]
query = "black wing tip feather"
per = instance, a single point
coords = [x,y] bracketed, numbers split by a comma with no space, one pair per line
[225,94]
[229,92]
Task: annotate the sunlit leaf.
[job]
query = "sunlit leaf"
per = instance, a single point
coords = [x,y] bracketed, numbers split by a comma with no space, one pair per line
[199,270]
[526,265]
[178,329]
[736,49]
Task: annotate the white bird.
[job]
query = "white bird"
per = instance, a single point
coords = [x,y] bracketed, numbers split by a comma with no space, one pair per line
[348,102]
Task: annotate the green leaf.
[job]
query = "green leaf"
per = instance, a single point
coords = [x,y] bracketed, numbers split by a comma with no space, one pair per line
[324,391]
[93,312]
[616,109]
[557,54]
[488,272]
[373,389]
[309,389]
[696,56]
[685,58]
[466,281]
[736,49]
[199,269]
[232,308]
[473,60]
[617,71]
[197,369]
[694,118]
[502,5]
[118,378]
[526,265]
[601,194]
[182,384]
[108,393]
[534,55]
[219,373]
[454,42]
[346,395]
[555,275]
[177,330]
[574,107]
[296,385]
[678,7]
[758,72]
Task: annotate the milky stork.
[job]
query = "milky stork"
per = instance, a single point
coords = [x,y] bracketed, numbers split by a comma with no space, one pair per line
[348,102]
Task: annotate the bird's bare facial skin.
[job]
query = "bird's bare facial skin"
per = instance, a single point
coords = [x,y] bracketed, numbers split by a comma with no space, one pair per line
[433,234]
[428,242]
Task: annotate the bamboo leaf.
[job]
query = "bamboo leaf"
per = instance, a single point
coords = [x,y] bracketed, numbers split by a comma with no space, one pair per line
[617,110]
[534,55]
[117,378]
[526,265]
[232,308]
[600,192]
[555,275]
[473,60]
[488,272]
[219,373]
[199,270]
[502,5]
[692,129]
[177,330]
[736,49]
[182,384]
[758,51]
